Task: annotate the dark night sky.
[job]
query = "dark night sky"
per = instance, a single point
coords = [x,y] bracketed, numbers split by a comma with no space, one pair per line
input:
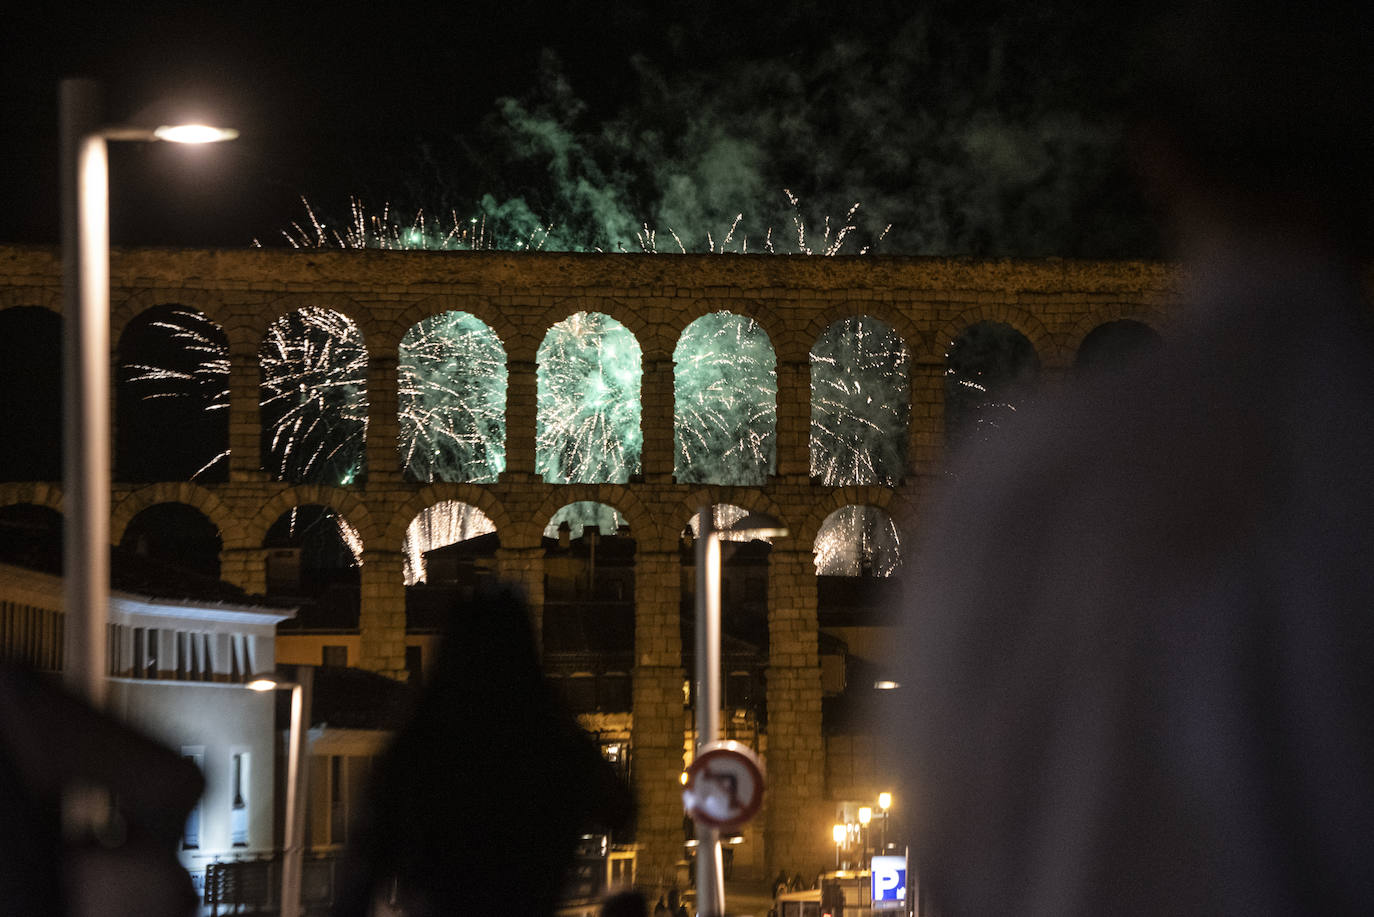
[340,99]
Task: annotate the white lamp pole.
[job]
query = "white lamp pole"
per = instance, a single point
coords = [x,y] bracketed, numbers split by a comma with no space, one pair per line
[710,866]
[292,843]
[86,354]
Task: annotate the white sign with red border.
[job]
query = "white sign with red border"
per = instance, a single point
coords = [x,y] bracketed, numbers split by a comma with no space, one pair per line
[724,785]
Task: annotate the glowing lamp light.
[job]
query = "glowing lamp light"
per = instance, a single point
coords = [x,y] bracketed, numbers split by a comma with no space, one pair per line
[886,685]
[865,815]
[838,833]
[262,683]
[194,133]
[884,801]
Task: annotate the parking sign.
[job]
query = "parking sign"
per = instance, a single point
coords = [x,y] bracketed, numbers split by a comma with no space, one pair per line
[889,883]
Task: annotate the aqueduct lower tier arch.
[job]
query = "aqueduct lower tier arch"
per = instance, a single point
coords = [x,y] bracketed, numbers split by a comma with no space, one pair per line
[1055,304]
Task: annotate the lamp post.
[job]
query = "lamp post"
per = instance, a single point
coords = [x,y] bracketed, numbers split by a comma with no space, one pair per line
[837,834]
[710,868]
[295,795]
[86,350]
[884,803]
[865,816]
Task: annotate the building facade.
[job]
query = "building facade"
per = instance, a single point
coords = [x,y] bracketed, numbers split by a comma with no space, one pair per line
[812,640]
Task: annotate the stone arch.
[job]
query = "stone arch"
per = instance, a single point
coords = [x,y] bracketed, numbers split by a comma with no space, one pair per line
[36,492]
[124,310]
[687,311]
[885,552]
[1113,344]
[31,379]
[49,298]
[1105,313]
[31,535]
[452,381]
[991,368]
[430,494]
[579,399]
[745,497]
[481,307]
[859,403]
[468,520]
[1022,320]
[725,407]
[202,499]
[369,326]
[646,335]
[172,421]
[175,533]
[329,426]
[816,513]
[890,314]
[346,503]
[643,526]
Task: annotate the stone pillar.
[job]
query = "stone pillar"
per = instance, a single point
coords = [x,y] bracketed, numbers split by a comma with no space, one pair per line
[524,567]
[656,401]
[796,812]
[794,419]
[245,568]
[382,461]
[925,450]
[521,410]
[659,719]
[382,614]
[245,423]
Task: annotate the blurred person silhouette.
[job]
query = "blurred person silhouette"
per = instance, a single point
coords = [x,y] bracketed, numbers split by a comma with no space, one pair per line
[90,810]
[1139,675]
[477,805]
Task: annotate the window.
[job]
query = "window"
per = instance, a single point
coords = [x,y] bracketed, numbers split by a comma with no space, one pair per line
[238,811]
[336,657]
[190,835]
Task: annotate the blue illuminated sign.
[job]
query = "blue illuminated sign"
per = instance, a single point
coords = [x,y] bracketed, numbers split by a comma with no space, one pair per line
[889,882]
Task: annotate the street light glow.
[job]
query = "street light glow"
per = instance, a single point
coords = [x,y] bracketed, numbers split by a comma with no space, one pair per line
[194,133]
[262,684]
[884,801]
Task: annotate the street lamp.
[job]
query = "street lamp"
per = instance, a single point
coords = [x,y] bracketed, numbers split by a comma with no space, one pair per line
[837,833]
[295,796]
[710,868]
[86,405]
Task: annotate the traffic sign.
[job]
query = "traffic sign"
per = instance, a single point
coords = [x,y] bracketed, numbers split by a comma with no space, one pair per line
[889,882]
[724,785]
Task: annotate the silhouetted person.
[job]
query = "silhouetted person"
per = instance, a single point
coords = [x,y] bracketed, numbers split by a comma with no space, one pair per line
[1141,634]
[121,859]
[477,805]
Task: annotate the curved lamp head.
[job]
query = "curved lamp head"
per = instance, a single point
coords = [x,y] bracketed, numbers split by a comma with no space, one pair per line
[267,682]
[756,525]
[194,133]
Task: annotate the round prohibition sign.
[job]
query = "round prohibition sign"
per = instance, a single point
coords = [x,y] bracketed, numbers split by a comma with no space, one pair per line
[724,785]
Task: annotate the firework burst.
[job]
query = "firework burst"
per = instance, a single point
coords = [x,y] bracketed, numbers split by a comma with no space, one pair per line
[314,397]
[452,394]
[859,397]
[725,414]
[587,429]
[857,541]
